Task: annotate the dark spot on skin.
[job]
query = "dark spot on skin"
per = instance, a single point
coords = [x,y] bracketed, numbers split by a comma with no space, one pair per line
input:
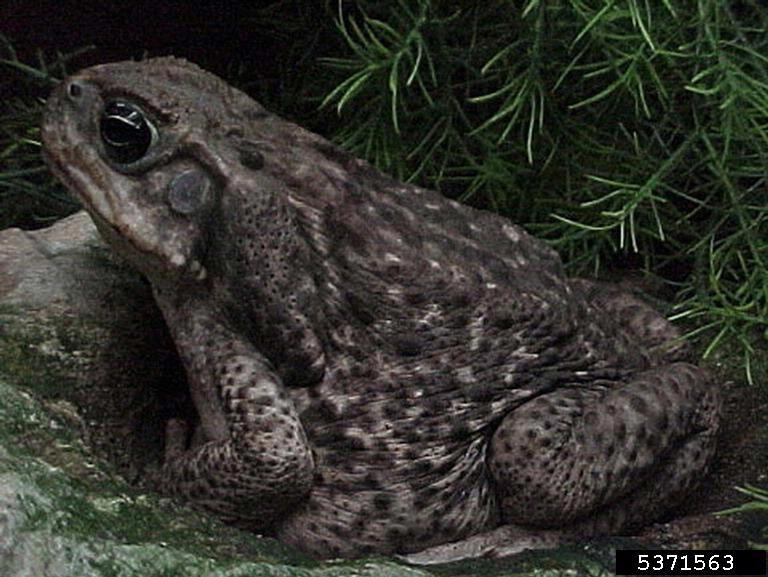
[341,236]
[527,454]
[460,301]
[394,271]
[372,481]
[402,395]
[330,436]
[481,393]
[323,412]
[561,406]
[339,530]
[503,319]
[652,442]
[639,404]
[408,347]
[420,501]
[662,423]
[458,321]
[436,523]
[382,501]
[355,443]
[361,309]
[416,298]
[621,433]
[368,422]
[413,436]
[484,346]
[354,190]
[459,432]
[421,380]
[430,491]
[500,358]
[392,411]
[394,535]
[696,455]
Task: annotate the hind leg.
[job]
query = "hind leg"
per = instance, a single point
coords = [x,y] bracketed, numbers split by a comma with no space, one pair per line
[569,454]
[579,462]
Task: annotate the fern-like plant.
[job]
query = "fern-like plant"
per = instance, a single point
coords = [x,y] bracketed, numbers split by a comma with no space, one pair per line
[27,195]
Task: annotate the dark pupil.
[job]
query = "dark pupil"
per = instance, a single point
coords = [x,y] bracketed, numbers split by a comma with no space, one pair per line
[125,132]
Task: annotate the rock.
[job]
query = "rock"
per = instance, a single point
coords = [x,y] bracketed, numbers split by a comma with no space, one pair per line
[77,327]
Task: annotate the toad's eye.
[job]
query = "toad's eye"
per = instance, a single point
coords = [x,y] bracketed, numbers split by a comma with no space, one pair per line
[126,133]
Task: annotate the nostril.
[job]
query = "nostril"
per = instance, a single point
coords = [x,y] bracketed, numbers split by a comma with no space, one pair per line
[74,90]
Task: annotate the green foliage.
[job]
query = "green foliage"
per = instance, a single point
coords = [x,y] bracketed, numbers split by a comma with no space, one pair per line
[608,126]
[758,503]
[27,195]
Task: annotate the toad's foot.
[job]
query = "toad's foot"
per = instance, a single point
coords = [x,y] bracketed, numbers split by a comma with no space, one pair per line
[659,337]
[503,541]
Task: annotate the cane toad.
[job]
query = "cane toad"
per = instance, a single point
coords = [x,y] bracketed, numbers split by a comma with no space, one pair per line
[376,369]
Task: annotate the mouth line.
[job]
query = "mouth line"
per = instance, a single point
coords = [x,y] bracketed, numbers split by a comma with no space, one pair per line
[61,169]
[60,164]
[63,175]
[66,160]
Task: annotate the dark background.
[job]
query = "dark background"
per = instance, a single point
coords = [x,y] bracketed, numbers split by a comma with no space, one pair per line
[207,33]
[267,48]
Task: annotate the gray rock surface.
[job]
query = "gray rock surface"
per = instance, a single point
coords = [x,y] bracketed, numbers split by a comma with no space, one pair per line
[77,326]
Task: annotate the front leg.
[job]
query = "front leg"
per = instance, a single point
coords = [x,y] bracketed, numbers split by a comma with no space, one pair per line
[254,462]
